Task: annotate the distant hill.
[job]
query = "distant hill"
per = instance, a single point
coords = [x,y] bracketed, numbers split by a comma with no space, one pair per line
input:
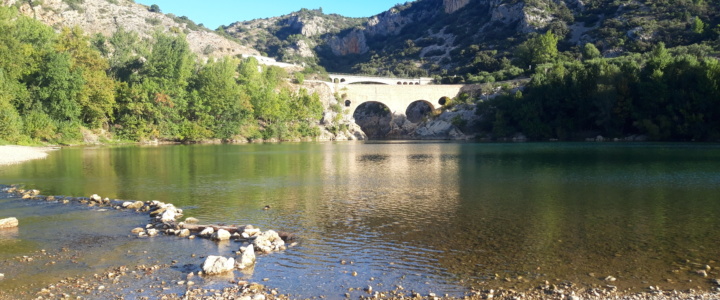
[460,37]
[106,16]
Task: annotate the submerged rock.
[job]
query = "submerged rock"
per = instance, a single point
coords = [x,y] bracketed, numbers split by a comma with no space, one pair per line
[9,223]
[214,265]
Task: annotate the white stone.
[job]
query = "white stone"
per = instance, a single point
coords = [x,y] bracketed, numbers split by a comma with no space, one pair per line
[207,232]
[95,198]
[152,232]
[183,233]
[248,258]
[168,216]
[9,223]
[221,235]
[258,297]
[217,265]
[268,241]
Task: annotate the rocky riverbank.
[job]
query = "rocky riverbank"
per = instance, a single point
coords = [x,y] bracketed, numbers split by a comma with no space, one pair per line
[17,154]
[158,277]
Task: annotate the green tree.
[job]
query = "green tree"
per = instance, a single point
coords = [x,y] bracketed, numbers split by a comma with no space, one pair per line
[538,50]
[698,26]
[590,51]
[97,97]
[219,103]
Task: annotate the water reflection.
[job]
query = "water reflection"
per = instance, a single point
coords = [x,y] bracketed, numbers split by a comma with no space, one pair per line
[507,215]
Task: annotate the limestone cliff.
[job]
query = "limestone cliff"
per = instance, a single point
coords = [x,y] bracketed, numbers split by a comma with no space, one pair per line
[105,17]
[352,43]
[452,6]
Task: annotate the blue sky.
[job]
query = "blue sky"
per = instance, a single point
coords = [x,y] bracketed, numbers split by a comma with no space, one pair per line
[213,13]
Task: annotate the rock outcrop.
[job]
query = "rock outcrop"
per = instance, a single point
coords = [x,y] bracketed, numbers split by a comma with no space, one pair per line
[452,6]
[352,43]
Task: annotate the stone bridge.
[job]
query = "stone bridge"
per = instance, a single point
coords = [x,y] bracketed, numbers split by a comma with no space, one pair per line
[396,98]
[344,79]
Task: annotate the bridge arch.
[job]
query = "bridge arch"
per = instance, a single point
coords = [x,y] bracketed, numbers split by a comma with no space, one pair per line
[417,110]
[374,118]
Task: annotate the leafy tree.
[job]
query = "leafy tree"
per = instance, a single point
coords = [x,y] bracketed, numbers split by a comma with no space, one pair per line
[155,8]
[97,96]
[590,51]
[538,50]
[698,26]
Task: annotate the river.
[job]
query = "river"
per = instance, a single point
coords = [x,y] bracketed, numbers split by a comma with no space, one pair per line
[431,216]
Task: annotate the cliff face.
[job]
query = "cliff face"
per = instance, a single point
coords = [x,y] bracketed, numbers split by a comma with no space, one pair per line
[352,43]
[105,17]
[452,6]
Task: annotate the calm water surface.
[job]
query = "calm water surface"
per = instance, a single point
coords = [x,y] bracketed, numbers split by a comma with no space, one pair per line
[438,217]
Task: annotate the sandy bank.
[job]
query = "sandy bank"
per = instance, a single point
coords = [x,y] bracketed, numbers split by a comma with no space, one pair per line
[17,154]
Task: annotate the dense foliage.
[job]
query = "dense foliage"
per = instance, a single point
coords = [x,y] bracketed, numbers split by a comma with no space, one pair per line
[665,95]
[54,85]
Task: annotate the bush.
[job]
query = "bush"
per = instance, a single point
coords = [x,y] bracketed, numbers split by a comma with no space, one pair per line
[155,8]
[39,126]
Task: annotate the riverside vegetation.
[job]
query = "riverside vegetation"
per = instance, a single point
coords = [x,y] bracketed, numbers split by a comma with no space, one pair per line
[53,85]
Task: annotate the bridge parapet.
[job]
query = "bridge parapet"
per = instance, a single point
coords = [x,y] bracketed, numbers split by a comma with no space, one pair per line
[349,79]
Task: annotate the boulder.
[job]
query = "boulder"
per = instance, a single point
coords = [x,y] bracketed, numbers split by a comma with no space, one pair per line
[138,230]
[269,241]
[191,220]
[221,235]
[133,205]
[214,265]
[95,198]
[248,258]
[207,232]
[9,223]
[183,233]
[168,216]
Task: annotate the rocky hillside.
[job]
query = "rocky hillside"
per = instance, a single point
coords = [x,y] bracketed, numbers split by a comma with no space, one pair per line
[106,16]
[294,37]
[459,37]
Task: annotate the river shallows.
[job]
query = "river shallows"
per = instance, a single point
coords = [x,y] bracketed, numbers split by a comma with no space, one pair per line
[434,217]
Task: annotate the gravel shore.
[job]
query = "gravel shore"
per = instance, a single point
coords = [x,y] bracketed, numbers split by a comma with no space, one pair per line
[16,154]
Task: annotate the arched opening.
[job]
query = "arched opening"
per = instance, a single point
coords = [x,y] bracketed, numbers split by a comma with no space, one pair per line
[374,118]
[399,83]
[444,100]
[342,80]
[347,103]
[335,80]
[418,110]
